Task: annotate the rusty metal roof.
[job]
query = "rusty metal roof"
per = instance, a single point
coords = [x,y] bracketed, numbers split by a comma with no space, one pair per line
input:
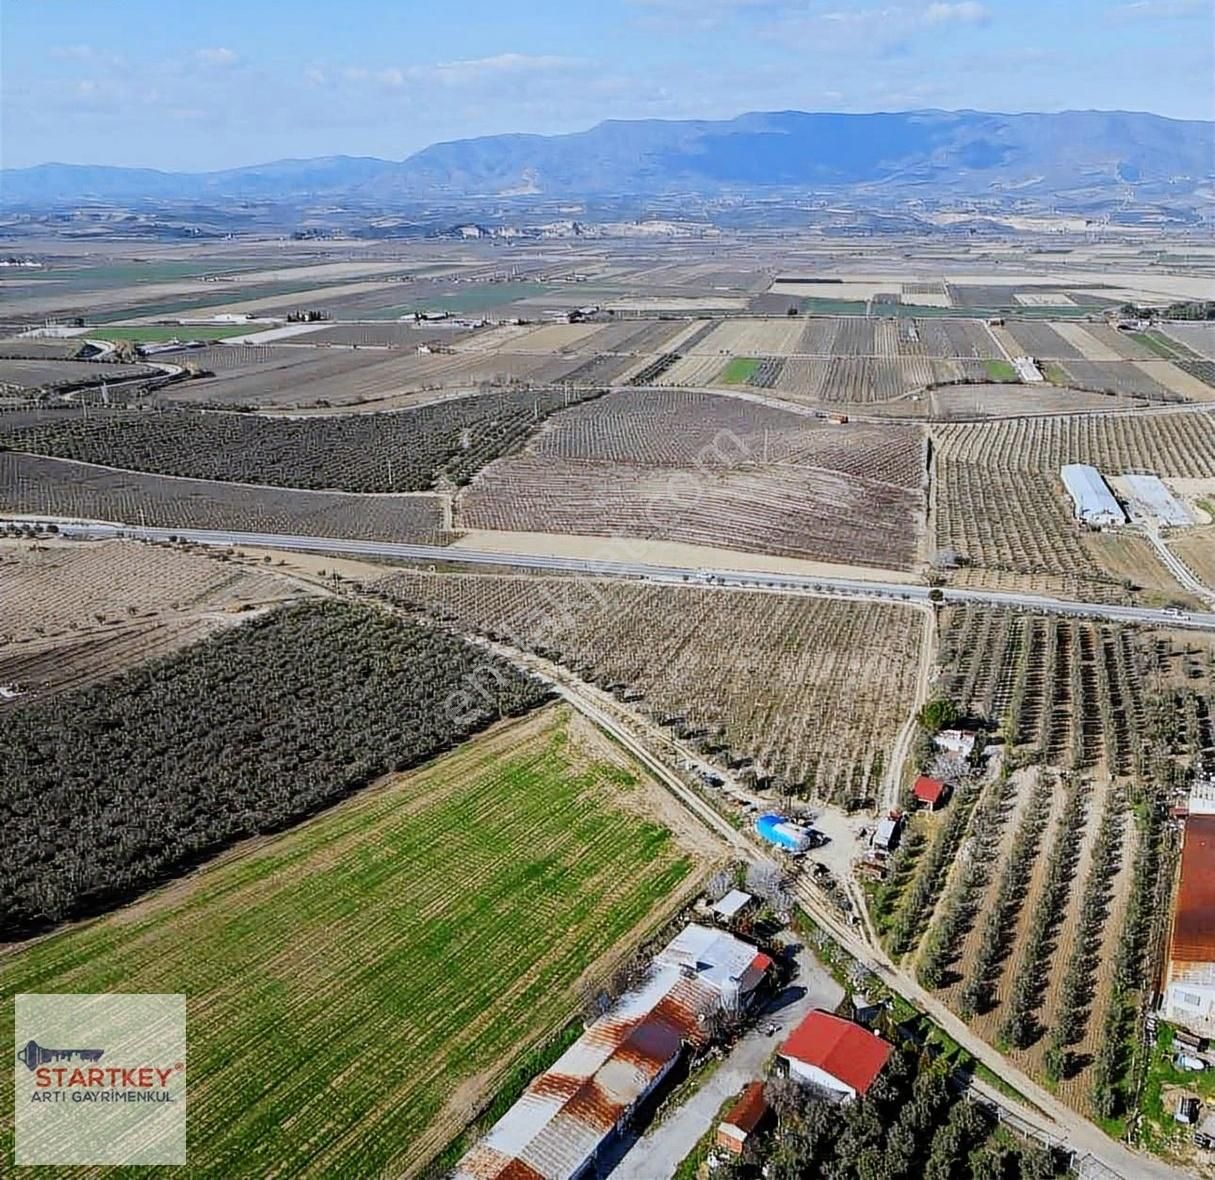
[749,1109]
[1194,914]
[567,1111]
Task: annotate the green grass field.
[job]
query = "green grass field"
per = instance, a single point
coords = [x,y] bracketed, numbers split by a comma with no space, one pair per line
[1171,350]
[738,370]
[473,297]
[159,333]
[1001,371]
[344,979]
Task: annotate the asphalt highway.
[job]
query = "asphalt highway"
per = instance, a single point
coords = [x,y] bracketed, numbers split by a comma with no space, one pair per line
[862,587]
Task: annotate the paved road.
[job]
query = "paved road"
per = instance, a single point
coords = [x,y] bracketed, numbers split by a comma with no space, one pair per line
[859,586]
[657,1154]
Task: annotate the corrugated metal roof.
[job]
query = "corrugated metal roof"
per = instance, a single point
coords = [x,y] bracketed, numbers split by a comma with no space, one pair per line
[1194,915]
[1091,495]
[733,902]
[849,1053]
[750,1108]
[566,1113]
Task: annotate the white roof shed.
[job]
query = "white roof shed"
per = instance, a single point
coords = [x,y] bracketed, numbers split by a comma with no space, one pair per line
[1092,499]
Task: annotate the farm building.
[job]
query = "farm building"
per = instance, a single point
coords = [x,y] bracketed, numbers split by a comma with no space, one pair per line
[929,792]
[733,906]
[1151,500]
[743,1119]
[1092,499]
[955,741]
[834,1055]
[782,832]
[572,1111]
[1189,990]
[886,834]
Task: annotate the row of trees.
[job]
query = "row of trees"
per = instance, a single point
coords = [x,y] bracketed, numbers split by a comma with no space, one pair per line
[112,789]
[1020,1026]
[917,904]
[1079,981]
[410,451]
[979,993]
[944,939]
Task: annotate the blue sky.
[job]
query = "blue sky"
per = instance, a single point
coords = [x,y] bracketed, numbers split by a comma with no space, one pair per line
[201,84]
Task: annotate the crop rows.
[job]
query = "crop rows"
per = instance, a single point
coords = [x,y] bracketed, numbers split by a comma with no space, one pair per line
[35,486]
[960,909]
[1203,370]
[788,510]
[1180,444]
[651,372]
[325,936]
[916,906]
[1072,688]
[978,995]
[1118,377]
[999,501]
[814,690]
[1020,1027]
[1079,984]
[408,451]
[767,373]
[53,590]
[686,428]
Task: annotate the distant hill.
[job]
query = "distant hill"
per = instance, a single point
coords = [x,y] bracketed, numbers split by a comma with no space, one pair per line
[1083,154]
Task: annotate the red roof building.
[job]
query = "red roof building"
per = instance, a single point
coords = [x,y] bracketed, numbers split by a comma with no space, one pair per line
[929,791]
[835,1055]
[742,1119]
[1189,993]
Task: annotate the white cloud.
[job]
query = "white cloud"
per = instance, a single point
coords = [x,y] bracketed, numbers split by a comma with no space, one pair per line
[218,56]
[500,64]
[1163,9]
[968,12]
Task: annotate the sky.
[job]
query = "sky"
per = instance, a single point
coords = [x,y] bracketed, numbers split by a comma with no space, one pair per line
[180,84]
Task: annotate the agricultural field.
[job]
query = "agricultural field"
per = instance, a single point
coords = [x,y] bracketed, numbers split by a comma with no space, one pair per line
[34,348]
[814,690]
[961,403]
[60,588]
[369,335]
[419,954]
[1197,338]
[245,733]
[999,503]
[300,377]
[414,450]
[1071,689]
[163,333]
[1045,934]
[31,485]
[1196,547]
[714,470]
[19,375]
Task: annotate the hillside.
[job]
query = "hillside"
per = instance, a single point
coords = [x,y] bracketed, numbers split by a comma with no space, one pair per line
[1085,155]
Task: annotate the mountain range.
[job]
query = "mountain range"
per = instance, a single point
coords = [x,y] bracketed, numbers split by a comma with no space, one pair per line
[1091,156]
